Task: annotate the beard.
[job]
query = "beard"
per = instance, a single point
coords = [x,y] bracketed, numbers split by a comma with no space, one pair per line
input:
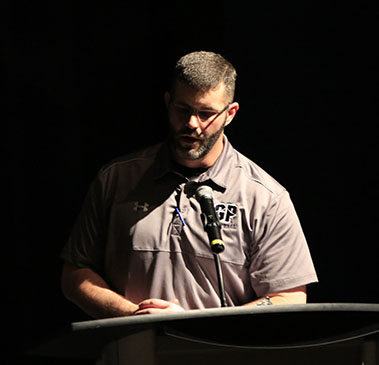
[195,149]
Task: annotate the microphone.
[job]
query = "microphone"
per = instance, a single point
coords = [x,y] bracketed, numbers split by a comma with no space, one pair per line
[209,217]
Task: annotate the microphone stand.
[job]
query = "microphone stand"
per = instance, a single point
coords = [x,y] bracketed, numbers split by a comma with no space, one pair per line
[217,246]
[220,280]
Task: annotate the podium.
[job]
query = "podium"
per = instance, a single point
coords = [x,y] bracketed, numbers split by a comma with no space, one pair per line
[327,333]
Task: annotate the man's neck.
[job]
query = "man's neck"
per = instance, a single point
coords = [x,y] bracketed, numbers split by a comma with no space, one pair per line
[187,171]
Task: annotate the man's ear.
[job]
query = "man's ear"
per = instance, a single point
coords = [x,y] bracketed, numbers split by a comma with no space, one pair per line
[167,98]
[233,109]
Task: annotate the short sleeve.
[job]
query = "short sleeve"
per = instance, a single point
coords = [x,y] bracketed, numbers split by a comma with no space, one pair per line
[281,258]
[85,246]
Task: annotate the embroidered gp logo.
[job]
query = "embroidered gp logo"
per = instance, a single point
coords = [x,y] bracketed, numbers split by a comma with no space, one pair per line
[226,212]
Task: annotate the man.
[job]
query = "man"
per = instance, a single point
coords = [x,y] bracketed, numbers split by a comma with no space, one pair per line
[139,246]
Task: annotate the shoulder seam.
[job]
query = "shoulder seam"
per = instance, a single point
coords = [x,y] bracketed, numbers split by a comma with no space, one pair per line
[107,167]
[131,158]
[251,178]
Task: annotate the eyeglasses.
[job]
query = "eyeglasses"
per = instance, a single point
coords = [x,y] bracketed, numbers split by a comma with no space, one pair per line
[185,112]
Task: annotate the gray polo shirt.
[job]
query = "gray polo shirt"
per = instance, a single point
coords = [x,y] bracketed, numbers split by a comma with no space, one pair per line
[129,231]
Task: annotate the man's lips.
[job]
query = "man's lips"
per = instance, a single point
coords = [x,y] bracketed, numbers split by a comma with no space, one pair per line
[188,139]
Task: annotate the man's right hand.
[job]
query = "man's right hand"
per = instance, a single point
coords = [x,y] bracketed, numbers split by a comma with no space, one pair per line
[155,306]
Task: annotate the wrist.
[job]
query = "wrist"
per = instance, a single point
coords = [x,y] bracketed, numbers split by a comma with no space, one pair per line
[265,301]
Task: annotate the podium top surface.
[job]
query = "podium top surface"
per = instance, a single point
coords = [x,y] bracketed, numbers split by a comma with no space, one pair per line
[310,310]
[266,327]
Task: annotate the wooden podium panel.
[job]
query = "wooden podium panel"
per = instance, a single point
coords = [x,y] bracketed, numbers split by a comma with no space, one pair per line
[325,333]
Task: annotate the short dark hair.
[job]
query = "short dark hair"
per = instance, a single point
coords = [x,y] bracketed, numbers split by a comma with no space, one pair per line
[204,71]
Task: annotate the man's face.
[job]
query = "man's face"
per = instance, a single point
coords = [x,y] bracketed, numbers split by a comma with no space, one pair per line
[196,126]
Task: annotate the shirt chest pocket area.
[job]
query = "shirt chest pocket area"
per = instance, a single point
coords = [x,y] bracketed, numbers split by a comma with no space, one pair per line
[149,229]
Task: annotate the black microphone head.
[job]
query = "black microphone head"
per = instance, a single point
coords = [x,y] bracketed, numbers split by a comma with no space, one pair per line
[203,192]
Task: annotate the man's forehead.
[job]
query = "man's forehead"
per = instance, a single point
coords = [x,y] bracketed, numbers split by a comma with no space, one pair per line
[184,93]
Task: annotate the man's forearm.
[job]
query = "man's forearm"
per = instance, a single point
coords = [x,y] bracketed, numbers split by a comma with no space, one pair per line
[292,296]
[91,293]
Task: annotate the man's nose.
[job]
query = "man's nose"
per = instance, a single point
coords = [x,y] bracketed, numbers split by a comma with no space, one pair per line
[193,122]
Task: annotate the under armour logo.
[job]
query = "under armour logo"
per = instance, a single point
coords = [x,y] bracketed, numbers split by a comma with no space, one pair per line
[138,206]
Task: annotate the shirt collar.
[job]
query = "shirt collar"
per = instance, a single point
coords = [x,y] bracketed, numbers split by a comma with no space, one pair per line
[219,172]
[216,175]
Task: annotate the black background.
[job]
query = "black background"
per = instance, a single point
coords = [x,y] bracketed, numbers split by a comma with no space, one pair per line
[84,84]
